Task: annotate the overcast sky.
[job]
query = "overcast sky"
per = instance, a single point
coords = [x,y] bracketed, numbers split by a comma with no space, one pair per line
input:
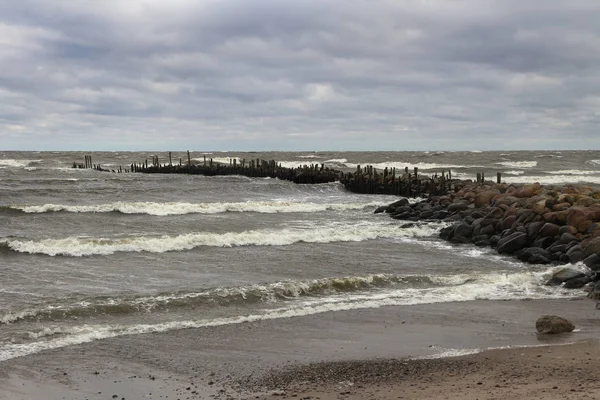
[299,74]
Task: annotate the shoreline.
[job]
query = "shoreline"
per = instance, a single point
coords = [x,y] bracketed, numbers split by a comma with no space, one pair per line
[537,224]
[232,362]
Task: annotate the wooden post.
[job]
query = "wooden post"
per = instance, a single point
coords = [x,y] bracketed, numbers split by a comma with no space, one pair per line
[189,159]
[478,177]
[205,160]
[170,163]
[498,177]
[483,177]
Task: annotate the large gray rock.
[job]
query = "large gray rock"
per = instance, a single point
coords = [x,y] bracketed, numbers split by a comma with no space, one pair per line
[553,324]
[512,242]
[535,255]
[463,230]
[563,275]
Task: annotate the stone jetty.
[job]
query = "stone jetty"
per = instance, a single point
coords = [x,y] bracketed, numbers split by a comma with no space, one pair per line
[538,224]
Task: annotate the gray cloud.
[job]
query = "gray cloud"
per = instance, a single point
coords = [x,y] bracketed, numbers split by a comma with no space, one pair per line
[272,74]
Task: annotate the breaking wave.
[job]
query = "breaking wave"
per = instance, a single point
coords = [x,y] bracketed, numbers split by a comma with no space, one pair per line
[518,164]
[176,208]
[495,286]
[13,163]
[87,246]
[269,292]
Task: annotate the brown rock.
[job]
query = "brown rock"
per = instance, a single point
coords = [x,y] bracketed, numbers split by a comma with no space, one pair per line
[553,324]
[505,200]
[508,222]
[484,198]
[585,201]
[591,246]
[582,217]
[528,190]
[539,207]
[561,206]
[567,229]
[548,230]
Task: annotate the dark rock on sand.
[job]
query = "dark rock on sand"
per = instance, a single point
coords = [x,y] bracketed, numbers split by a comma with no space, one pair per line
[553,324]
[577,283]
[563,275]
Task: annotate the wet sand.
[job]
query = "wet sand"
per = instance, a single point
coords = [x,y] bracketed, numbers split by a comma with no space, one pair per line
[353,354]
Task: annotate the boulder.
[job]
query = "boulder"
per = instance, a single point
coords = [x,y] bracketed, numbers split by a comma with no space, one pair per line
[592,262]
[426,214]
[484,198]
[447,232]
[533,229]
[563,275]
[381,209]
[512,242]
[440,214]
[582,217]
[591,246]
[567,238]
[585,201]
[561,206]
[535,255]
[553,324]
[399,203]
[463,230]
[508,222]
[567,229]
[528,190]
[577,283]
[548,229]
[575,254]
[539,207]
[456,207]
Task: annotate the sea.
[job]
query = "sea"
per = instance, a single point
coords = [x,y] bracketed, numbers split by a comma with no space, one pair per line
[87,255]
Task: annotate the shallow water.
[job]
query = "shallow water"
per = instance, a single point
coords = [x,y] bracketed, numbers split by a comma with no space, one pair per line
[88,255]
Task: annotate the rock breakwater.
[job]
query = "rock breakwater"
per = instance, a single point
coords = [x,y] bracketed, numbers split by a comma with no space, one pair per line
[538,224]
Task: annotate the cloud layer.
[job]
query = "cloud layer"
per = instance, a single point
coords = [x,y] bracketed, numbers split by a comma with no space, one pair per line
[299,75]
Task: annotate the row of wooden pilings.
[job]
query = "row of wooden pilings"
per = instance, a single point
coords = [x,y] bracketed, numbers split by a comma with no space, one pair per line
[367,180]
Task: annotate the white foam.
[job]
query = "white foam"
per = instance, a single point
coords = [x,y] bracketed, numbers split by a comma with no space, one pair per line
[553,179]
[309,156]
[13,163]
[295,164]
[175,208]
[518,164]
[515,286]
[594,162]
[222,160]
[515,172]
[400,165]
[84,246]
[447,353]
[573,172]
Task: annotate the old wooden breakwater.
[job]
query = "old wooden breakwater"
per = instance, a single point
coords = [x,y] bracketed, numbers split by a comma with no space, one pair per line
[365,179]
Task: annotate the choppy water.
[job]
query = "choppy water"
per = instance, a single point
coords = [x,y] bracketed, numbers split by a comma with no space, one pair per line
[87,255]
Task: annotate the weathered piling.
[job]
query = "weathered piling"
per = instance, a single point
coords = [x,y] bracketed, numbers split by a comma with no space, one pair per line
[365,179]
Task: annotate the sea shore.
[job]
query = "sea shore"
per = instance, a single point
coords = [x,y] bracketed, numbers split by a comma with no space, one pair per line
[537,224]
[372,353]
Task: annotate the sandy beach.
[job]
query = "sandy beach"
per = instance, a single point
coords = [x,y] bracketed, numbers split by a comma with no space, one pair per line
[376,353]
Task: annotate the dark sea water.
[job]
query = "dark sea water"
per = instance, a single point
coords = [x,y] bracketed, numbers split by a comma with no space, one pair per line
[87,255]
